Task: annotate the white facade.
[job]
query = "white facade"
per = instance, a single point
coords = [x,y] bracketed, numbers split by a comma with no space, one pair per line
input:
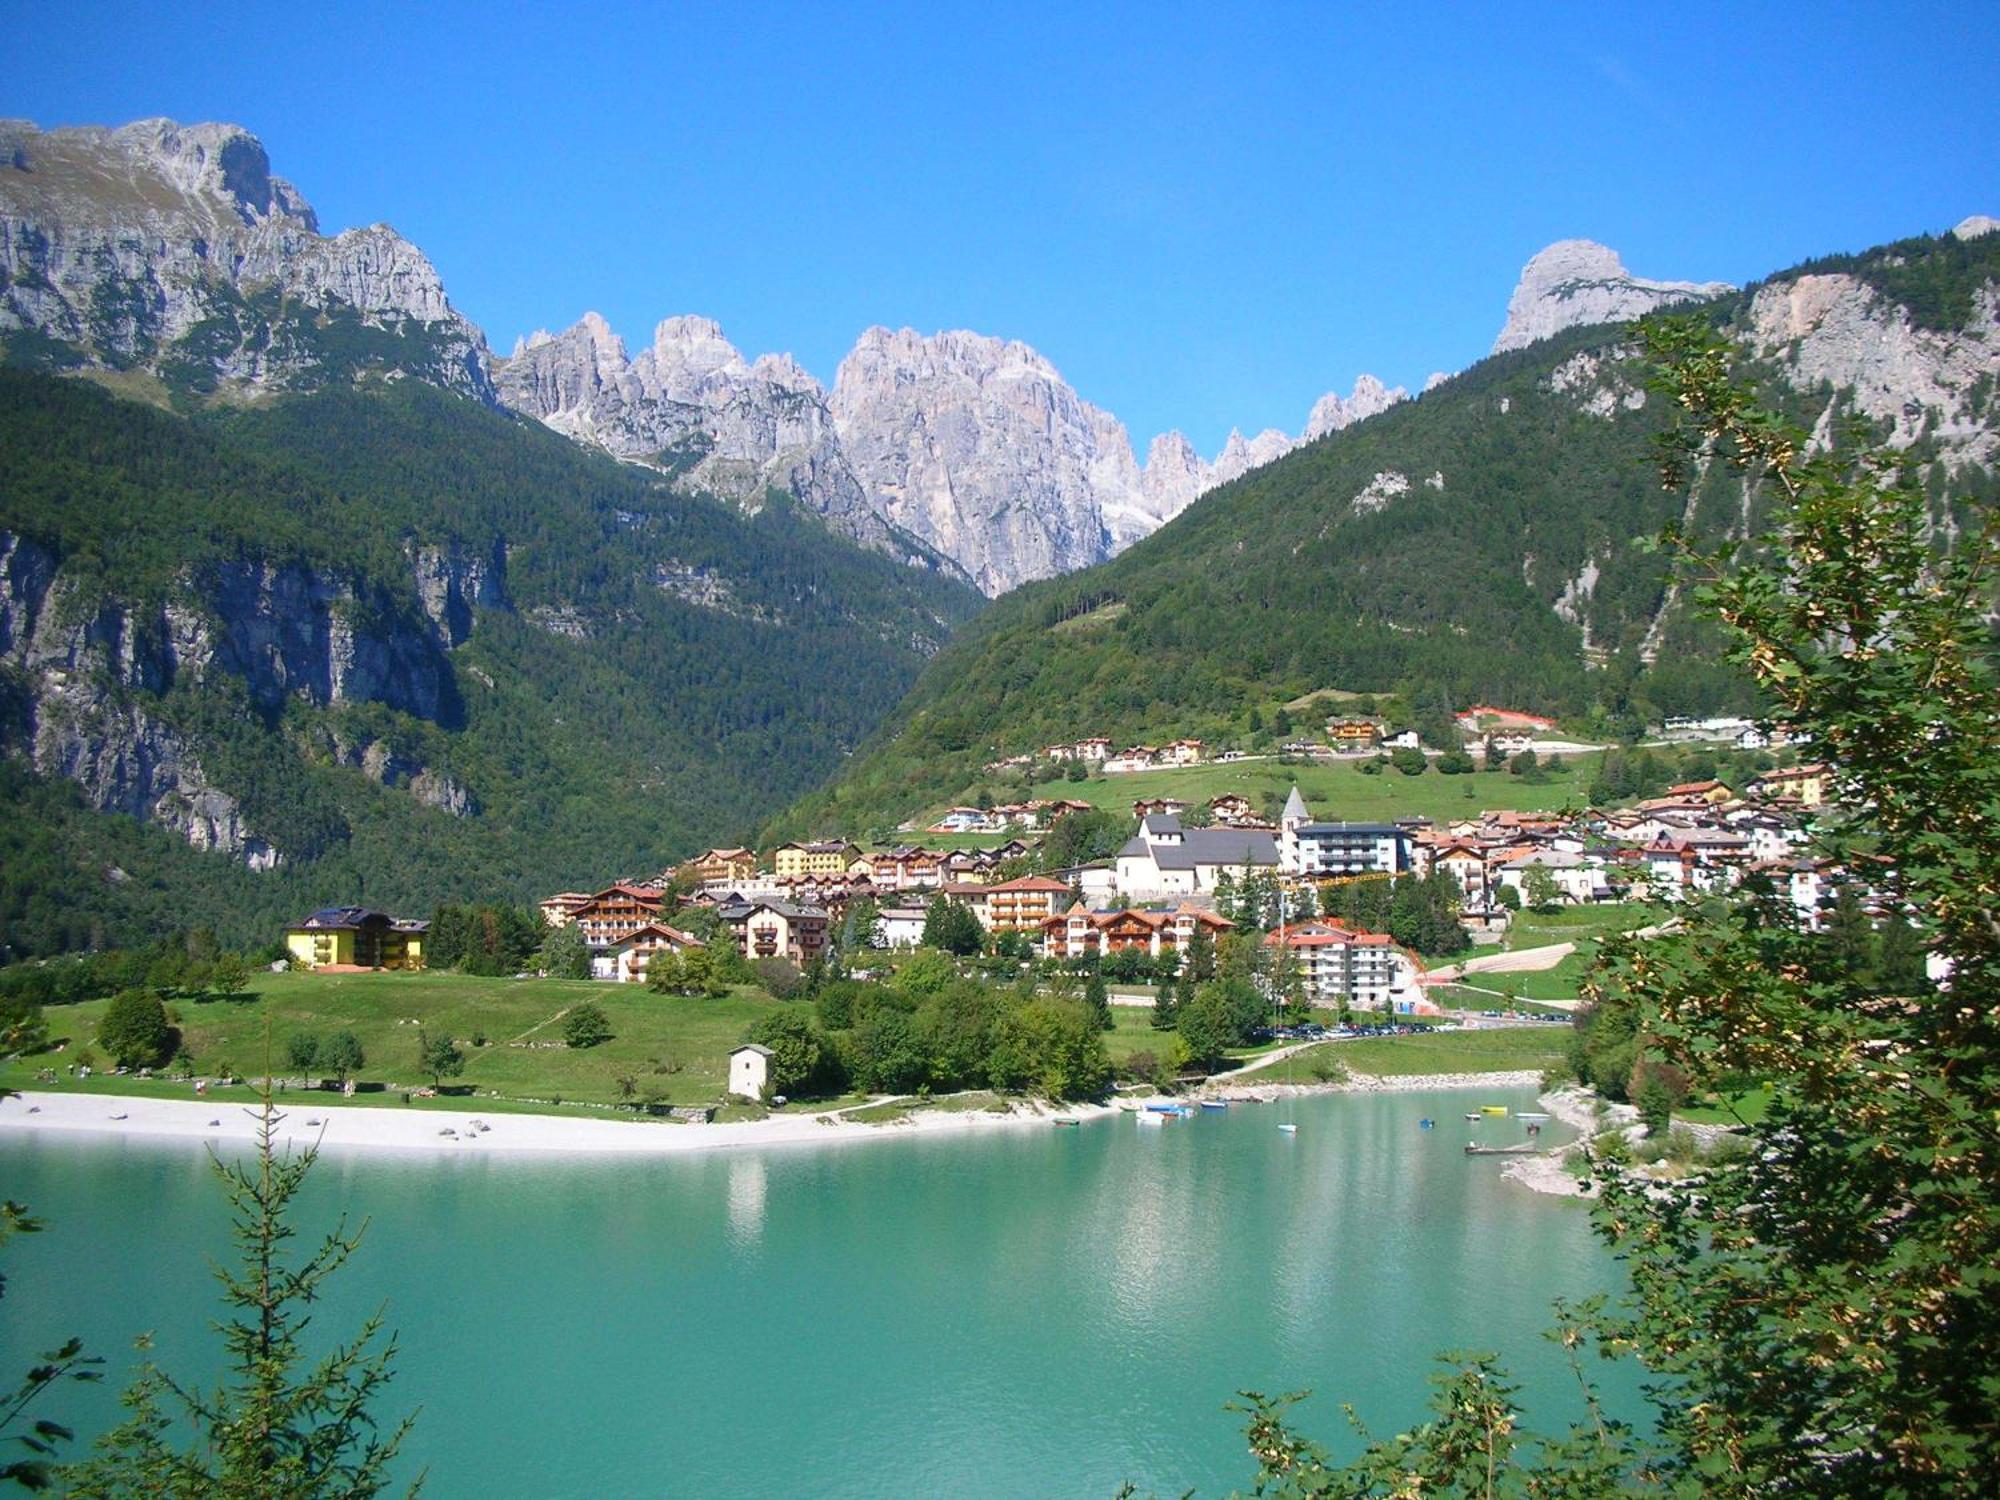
[899,927]
[749,1071]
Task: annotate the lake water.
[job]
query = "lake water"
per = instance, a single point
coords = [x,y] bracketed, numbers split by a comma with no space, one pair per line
[1038,1312]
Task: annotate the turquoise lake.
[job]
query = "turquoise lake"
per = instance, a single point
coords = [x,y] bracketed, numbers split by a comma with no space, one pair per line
[1037,1312]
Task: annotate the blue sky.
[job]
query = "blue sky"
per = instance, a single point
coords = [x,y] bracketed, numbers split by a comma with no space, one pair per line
[1205,215]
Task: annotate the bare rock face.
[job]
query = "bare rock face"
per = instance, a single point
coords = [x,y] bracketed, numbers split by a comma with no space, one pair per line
[691,405]
[978,447]
[1837,332]
[1175,475]
[1973,226]
[1332,413]
[172,249]
[1578,282]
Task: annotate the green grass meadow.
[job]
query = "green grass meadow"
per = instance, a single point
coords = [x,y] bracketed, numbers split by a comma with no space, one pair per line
[677,1046]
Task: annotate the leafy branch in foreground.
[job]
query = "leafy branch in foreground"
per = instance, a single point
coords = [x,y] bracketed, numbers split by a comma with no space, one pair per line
[1821,1313]
[280,1426]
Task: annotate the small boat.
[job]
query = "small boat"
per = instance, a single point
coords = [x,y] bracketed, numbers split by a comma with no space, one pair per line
[1164,1109]
[1525,1148]
[1498,1110]
[1529,1114]
[1288,1129]
[1475,1116]
[1151,1117]
[1215,1104]
[1426,1123]
[1059,1124]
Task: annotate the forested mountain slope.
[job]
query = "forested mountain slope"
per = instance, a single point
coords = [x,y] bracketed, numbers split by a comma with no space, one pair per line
[382,642]
[1482,543]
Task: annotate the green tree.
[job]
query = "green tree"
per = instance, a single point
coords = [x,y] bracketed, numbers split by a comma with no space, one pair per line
[280,1423]
[23,1027]
[302,1052]
[229,975]
[1200,963]
[799,1060]
[1163,1006]
[439,1056]
[1097,999]
[341,1057]
[135,1030]
[1207,1027]
[586,1026]
[1540,888]
[950,927]
[565,953]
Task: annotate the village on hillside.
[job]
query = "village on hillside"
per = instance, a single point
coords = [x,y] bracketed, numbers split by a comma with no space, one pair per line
[1320,889]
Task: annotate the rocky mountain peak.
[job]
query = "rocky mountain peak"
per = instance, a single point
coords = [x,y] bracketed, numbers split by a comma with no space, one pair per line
[1331,412]
[690,351]
[1577,282]
[1973,226]
[690,404]
[172,248]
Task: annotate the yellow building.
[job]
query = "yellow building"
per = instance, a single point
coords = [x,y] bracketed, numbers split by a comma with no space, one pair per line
[353,937]
[1805,784]
[830,858]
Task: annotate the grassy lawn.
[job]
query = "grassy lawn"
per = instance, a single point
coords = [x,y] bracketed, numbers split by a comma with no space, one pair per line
[1580,924]
[1585,926]
[1746,1108]
[1339,790]
[1502,1050]
[677,1046]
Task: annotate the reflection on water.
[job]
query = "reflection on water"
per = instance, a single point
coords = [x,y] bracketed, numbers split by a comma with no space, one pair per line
[747,1186]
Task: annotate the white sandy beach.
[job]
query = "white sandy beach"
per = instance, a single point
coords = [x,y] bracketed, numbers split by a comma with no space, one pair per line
[306,1122]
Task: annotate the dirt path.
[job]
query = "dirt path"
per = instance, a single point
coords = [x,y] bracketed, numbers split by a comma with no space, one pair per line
[1520,961]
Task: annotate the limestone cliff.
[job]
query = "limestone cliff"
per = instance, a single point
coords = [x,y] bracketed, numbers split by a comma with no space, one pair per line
[172,249]
[93,673]
[1578,282]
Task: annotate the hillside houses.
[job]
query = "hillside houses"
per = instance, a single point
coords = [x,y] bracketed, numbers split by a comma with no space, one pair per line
[1702,836]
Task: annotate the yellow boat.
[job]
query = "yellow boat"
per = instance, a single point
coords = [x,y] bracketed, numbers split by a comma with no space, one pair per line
[1493,1109]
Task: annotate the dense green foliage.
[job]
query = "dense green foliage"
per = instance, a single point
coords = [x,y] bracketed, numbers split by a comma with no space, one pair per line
[1285,583]
[625,673]
[135,1030]
[930,1027]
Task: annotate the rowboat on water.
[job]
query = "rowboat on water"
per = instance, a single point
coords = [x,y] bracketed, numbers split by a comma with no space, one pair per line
[1061,1123]
[1494,1109]
[1215,1104]
[1475,1115]
[1526,1148]
[1529,1114]
[1288,1129]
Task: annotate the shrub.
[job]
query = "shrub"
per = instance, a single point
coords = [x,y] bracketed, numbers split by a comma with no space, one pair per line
[587,1026]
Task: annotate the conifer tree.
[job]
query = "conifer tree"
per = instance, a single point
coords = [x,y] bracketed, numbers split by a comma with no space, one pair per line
[281,1423]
